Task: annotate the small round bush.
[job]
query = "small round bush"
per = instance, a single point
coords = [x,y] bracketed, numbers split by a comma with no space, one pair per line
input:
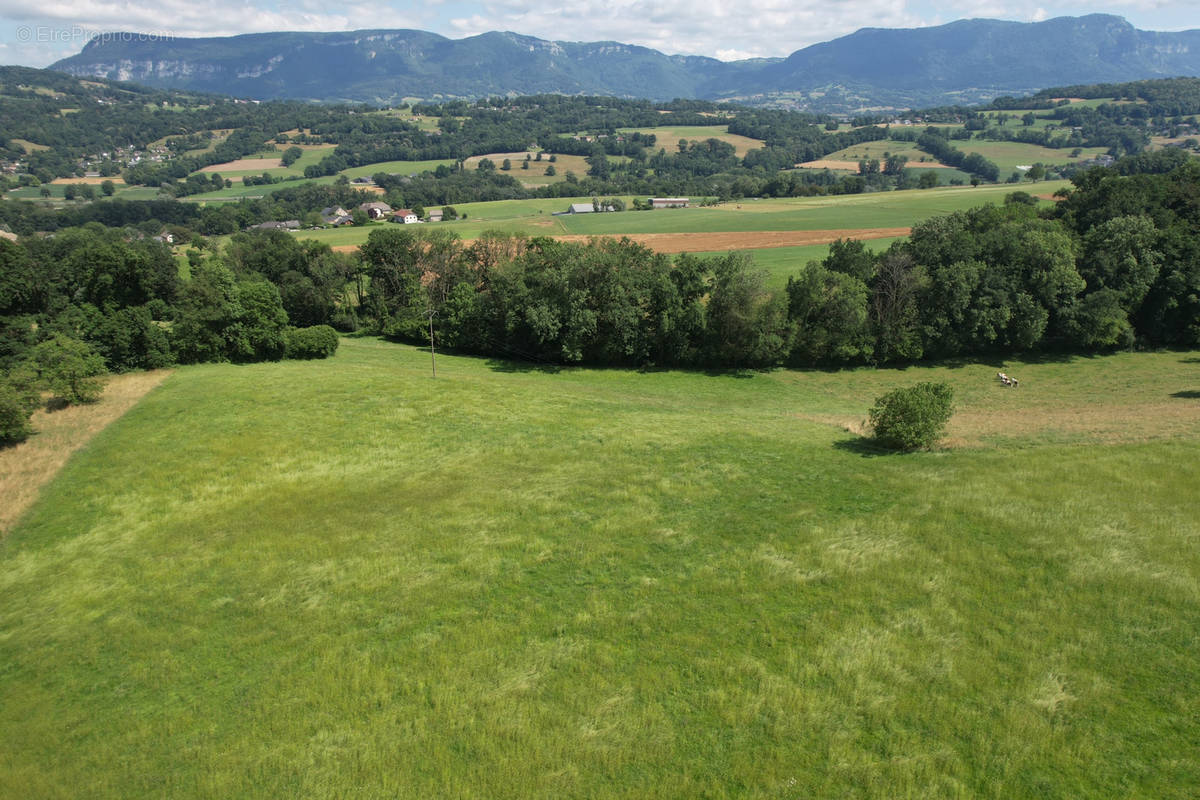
[912,417]
[319,341]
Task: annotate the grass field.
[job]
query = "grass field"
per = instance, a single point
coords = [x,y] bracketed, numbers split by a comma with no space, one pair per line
[876,210]
[668,137]
[238,191]
[270,163]
[58,191]
[781,263]
[876,150]
[841,213]
[1007,155]
[397,167]
[345,578]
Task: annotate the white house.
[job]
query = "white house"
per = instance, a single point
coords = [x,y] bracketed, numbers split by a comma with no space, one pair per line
[669,202]
[406,216]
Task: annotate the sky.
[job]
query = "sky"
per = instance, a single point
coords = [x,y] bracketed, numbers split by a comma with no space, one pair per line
[38,33]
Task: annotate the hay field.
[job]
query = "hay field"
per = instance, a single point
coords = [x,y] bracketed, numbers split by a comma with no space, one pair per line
[345,578]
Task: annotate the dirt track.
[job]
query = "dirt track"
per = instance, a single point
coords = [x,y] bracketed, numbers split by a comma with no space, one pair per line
[117,181]
[741,240]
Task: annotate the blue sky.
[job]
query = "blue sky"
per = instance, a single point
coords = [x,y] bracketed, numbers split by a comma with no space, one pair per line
[39,33]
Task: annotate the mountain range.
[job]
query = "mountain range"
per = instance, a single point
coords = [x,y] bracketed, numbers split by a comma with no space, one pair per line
[872,69]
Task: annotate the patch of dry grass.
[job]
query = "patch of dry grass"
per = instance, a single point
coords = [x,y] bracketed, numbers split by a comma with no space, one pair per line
[1066,402]
[26,467]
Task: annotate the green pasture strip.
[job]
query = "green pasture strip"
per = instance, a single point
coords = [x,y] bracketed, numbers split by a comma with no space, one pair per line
[397,167]
[842,212]
[1007,155]
[344,577]
[238,191]
[944,175]
[875,210]
[876,149]
[781,263]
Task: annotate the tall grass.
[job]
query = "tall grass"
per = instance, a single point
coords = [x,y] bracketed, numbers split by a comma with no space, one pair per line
[346,578]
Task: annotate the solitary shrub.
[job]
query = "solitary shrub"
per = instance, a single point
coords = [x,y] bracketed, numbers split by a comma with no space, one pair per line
[319,341]
[912,417]
[69,369]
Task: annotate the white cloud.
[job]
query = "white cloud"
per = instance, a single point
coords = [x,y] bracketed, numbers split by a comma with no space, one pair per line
[62,20]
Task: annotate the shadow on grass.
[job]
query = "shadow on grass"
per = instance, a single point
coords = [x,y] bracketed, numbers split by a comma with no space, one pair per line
[1192,360]
[506,365]
[1188,394]
[864,446]
[733,373]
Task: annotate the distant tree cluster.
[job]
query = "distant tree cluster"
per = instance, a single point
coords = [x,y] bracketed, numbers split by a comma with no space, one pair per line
[92,300]
[1086,276]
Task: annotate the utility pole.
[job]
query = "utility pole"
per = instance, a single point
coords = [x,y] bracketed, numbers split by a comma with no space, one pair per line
[432,354]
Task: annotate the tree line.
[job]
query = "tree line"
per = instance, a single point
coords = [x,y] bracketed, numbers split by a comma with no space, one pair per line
[1116,263]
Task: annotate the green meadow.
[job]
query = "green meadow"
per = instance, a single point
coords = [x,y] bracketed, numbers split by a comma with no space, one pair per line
[1008,155]
[397,167]
[348,578]
[844,212]
[781,263]
[874,210]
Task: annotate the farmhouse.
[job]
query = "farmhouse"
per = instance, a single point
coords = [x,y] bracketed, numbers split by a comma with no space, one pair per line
[669,202]
[286,225]
[583,208]
[435,215]
[335,215]
[406,216]
[376,210]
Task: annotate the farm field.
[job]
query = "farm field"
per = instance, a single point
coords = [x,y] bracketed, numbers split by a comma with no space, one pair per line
[238,191]
[1007,155]
[117,180]
[536,174]
[397,167]
[766,227]
[58,190]
[781,263]
[875,210]
[268,162]
[850,156]
[668,136]
[327,578]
